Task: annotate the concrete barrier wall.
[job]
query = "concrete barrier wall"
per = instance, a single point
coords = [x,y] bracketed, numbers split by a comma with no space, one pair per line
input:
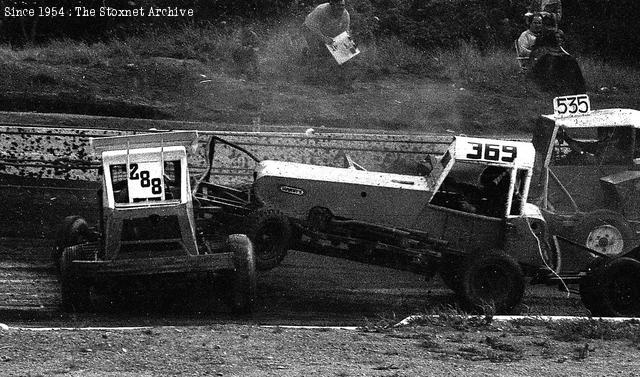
[56,147]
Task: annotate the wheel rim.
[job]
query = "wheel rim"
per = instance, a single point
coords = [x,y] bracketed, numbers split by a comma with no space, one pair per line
[606,239]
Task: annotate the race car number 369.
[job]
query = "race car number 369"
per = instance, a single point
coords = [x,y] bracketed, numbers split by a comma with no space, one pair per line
[492,152]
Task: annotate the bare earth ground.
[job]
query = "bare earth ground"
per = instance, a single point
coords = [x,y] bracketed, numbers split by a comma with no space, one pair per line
[190,90]
[244,350]
[187,334]
[304,290]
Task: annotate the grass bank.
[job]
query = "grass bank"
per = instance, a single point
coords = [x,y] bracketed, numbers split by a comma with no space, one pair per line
[193,73]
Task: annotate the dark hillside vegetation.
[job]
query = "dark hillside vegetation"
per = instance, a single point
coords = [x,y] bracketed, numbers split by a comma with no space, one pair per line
[603,27]
[435,66]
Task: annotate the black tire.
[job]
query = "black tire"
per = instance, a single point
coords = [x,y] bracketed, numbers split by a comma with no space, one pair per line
[270,232]
[586,232]
[73,289]
[619,286]
[72,231]
[450,273]
[590,294]
[492,283]
[242,293]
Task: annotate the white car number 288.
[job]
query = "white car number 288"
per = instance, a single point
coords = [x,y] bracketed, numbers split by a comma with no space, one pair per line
[145,180]
[571,105]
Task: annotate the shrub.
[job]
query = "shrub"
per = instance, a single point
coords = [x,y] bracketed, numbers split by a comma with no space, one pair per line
[363,22]
[602,27]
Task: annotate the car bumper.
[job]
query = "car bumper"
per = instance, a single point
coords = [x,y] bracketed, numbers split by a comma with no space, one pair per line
[187,264]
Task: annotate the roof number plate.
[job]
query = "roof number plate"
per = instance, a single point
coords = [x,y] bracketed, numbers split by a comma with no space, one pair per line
[568,106]
[145,181]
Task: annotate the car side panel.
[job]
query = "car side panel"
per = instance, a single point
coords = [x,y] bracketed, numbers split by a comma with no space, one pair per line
[464,231]
[583,183]
[380,205]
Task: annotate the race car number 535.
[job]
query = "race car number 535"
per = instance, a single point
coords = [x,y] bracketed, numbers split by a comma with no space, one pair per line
[571,105]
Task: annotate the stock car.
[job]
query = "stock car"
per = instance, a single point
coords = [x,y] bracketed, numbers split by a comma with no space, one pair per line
[147,233]
[467,218]
[586,183]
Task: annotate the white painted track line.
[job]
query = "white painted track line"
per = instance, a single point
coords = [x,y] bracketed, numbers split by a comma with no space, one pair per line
[350,328]
[5,327]
[505,318]
[414,319]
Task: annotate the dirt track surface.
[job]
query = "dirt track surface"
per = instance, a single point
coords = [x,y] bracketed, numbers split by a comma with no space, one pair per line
[186,333]
[307,289]
[241,350]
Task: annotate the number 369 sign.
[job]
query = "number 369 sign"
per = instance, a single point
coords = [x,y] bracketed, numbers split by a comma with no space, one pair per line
[145,180]
[571,105]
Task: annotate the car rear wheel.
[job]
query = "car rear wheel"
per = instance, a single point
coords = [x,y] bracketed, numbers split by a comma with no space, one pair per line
[450,273]
[491,283]
[590,294]
[270,231]
[620,288]
[242,295]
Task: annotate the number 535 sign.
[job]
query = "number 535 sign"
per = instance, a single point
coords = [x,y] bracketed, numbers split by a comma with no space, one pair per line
[571,105]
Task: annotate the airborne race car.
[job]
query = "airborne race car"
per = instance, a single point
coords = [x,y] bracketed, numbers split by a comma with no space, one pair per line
[466,219]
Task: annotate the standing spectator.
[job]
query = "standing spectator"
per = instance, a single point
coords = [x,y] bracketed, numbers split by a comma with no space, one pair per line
[246,55]
[528,37]
[324,23]
[551,11]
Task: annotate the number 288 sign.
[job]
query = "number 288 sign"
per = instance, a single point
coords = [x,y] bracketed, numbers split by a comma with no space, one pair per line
[145,180]
[571,105]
